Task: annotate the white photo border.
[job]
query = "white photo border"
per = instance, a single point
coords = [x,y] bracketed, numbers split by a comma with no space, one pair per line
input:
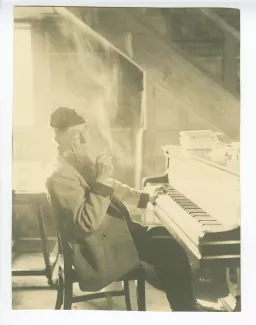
[248,177]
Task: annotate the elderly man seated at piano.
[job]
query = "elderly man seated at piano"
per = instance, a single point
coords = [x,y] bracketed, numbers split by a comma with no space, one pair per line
[92,205]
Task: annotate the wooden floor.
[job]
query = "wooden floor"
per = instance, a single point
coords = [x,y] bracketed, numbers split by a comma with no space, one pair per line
[30,293]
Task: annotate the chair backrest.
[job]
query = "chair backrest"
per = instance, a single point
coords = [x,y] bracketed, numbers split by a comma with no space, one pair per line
[65,249]
[64,246]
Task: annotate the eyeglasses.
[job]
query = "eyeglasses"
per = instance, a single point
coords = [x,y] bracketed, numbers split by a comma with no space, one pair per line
[80,134]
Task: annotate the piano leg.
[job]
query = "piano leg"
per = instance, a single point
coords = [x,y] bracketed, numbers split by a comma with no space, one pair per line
[233,301]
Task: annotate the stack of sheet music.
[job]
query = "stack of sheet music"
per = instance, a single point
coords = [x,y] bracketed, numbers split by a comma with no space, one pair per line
[198,139]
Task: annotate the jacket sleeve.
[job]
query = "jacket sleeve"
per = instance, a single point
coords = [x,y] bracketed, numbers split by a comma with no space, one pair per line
[87,207]
[128,195]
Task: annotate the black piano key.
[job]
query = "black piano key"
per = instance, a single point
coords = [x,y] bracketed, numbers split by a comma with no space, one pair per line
[210,223]
[205,219]
[187,206]
[195,210]
[182,200]
[202,217]
[200,213]
[191,207]
[176,192]
[185,202]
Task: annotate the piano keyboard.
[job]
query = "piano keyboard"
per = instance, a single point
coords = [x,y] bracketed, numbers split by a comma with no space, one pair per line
[194,228]
[206,221]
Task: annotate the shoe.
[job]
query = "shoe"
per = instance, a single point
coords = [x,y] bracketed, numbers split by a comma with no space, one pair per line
[200,308]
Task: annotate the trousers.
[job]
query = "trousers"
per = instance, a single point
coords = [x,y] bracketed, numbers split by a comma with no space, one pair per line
[156,247]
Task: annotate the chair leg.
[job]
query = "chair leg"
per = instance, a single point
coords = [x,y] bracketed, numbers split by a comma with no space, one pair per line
[141,295]
[44,242]
[59,300]
[68,294]
[127,295]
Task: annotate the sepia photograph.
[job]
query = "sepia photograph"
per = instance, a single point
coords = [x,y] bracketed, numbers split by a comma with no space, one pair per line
[126,159]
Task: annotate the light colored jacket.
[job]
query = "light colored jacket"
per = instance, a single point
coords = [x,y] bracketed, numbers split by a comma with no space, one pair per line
[97,224]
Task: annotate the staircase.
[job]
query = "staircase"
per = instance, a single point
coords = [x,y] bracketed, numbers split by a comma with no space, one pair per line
[167,65]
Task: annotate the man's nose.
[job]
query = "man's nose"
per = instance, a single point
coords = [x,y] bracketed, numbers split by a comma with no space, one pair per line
[82,139]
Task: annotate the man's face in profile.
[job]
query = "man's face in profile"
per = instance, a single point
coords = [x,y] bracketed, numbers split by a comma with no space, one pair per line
[81,140]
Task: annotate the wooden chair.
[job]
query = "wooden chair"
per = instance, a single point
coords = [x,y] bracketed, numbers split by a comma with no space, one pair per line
[38,200]
[67,277]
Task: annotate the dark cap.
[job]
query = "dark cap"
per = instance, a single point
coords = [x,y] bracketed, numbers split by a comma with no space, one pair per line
[64,117]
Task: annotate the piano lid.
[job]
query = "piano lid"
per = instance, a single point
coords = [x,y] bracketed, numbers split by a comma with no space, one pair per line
[214,188]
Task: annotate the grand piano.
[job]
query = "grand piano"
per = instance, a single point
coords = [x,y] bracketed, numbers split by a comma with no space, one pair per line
[200,207]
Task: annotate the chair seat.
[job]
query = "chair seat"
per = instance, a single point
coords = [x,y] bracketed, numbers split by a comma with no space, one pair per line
[133,275]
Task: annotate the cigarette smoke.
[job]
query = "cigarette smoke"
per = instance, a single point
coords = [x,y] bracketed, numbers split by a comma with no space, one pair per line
[71,69]
[86,80]
[93,73]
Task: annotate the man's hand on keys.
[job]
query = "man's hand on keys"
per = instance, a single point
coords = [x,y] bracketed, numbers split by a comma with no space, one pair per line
[156,191]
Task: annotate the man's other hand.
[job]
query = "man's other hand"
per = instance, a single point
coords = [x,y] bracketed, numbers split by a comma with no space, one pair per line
[104,167]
